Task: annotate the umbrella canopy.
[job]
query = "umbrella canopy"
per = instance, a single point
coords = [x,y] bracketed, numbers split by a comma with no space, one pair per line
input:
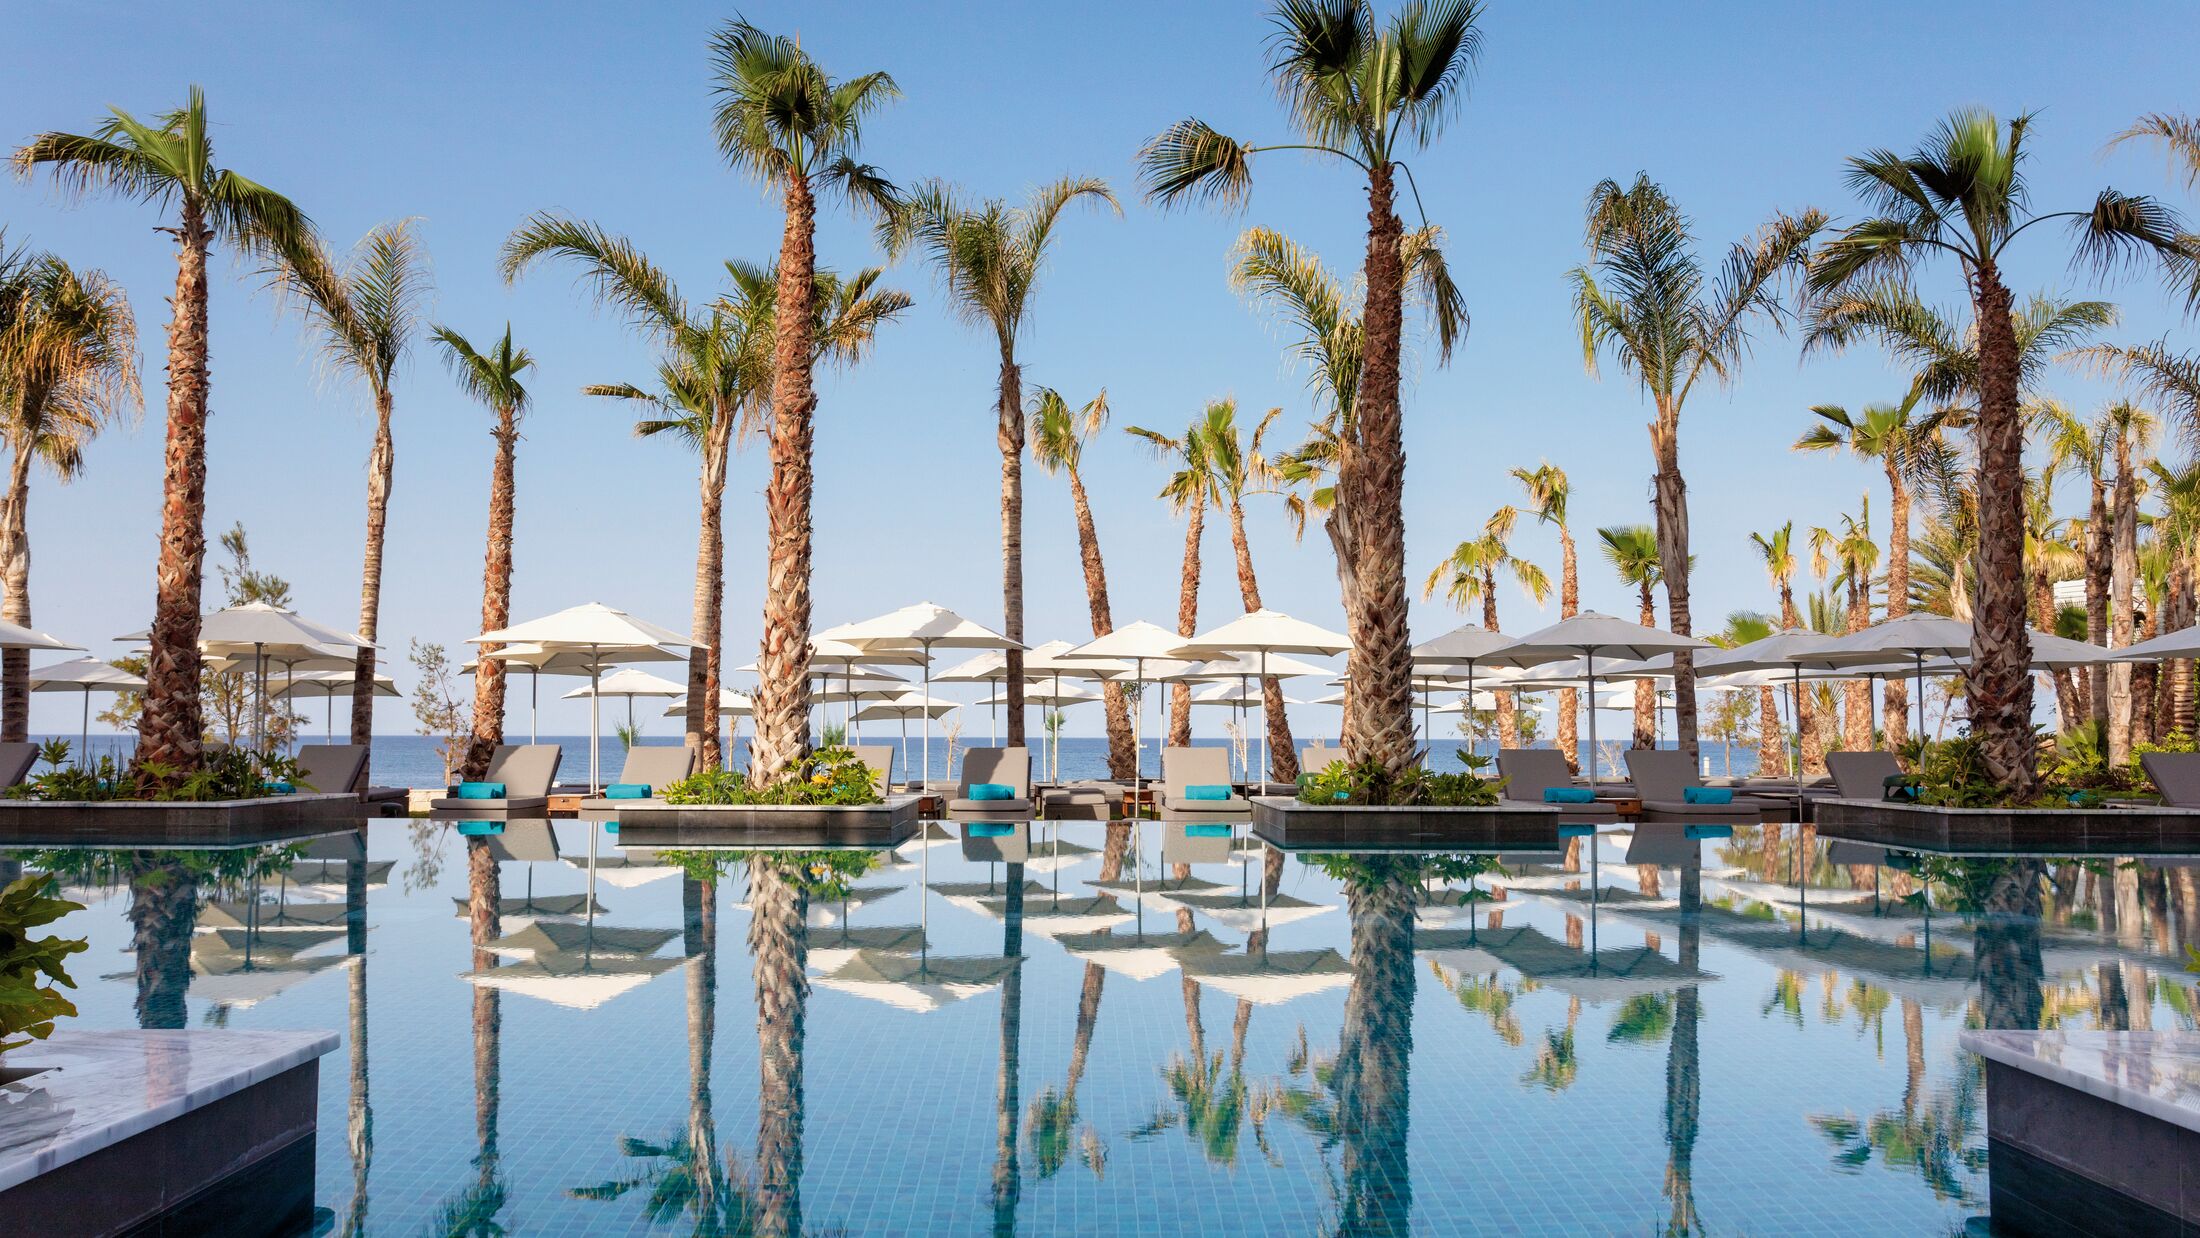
[262,627]
[1141,956]
[1237,696]
[16,636]
[988,667]
[731,704]
[1909,636]
[910,704]
[1786,648]
[924,626]
[1139,642]
[1248,666]
[839,654]
[83,675]
[2182,643]
[1264,631]
[332,683]
[575,981]
[604,636]
[627,681]
[1592,633]
[918,983]
[1052,697]
[1271,976]
[1047,661]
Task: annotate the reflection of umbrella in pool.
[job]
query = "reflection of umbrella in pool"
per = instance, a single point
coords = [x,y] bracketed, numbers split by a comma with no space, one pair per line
[831,949]
[557,936]
[1620,972]
[829,911]
[330,878]
[626,871]
[232,967]
[1271,976]
[974,895]
[932,834]
[1162,892]
[1247,912]
[1049,915]
[270,917]
[528,907]
[1141,956]
[917,983]
[576,981]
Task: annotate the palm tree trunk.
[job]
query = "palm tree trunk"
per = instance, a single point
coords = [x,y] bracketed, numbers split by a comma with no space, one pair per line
[1378,723]
[381,466]
[1371,1076]
[1121,758]
[1856,712]
[170,727]
[1010,435]
[2123,573]
[1569,605]
[2097,582]
[1999,685]
[1646,692]
[496,603]
[783,686]
[710,593]
[1187,621]
[15,602]
[1895,699]
[1669,495]
[1811,752]
[2067,701]
[1772,750]
[779,943]
[1283,751]
[2145,685]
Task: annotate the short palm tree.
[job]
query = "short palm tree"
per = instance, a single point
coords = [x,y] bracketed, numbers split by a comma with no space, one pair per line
[1548,491]
[1366,94]
[1190,491]
[1632,550]
[171,161]
[989,256]
[1777,549]
[1743,627]
[1058,437]
[1851,555]
[1469,575]
[1963,193]
[364,314]
[780,119]
[1646,299]
[1242,466]
[68,369]
[493,379]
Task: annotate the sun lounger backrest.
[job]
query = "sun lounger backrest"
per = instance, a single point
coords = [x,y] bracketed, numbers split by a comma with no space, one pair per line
[1529,771]
[1193,767]
[1862,775]
[15,762]
[1318,757]
[2177,775]
[997,765]
[1661,774]
[880,759]
[334,769]
[657,765]
[526,770]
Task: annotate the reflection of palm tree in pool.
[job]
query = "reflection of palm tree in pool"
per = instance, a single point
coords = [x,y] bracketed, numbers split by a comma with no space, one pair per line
[1375,1047]
[472,1210]
[359,1111]
[1053,1116]
[779,945]
[164,909]
[1007,1179]
[1683,1088]
[1937,1139]
[1556,1066]
[2006,945]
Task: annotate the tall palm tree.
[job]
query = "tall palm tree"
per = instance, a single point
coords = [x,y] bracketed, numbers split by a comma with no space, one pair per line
[172,161]
[989,256]
[1909,445]
[1964,193]
[365,313]
[1058,436]
[1190,490]
[1469,575]
[1632,550]
[1852,556]
[2078,447]
[1240,465]
[68,369]
[1548,491]
[2129,430]
[1365,94]
[1778,551]
[1646,299]
[1742,627]
[780,119]
[493,379]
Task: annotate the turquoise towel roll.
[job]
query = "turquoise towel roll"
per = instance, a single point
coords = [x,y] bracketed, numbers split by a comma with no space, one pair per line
[1569,795]
[992,791]
[627,791]
[1707,795]
[481,790]
[1207,791]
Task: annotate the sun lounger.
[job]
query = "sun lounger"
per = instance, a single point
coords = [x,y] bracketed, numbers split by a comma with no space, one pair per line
[1529,771]
[1002,842]
[655,766]
[1862,775]
[2176,775]
[1001,766]
[879,758]
[1317,757]
[1196,842]
[527,771]
[1662,777]
[331,768]
[1183,768]
[1081,801]
[15,762]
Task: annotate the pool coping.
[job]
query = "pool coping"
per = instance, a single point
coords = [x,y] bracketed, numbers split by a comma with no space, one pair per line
[656,824]
[172,823]
[1992,831]
[1284,822]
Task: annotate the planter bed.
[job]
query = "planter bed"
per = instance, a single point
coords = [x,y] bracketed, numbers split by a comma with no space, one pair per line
[1293,826]
[167,1132]
[142,823]
[653,823]
[1997,831]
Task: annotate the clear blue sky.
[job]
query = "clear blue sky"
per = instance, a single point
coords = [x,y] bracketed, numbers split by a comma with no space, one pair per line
[470,116]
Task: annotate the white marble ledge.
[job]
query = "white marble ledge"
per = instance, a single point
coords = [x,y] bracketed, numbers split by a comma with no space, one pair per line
[100,1088]
[2155,1073]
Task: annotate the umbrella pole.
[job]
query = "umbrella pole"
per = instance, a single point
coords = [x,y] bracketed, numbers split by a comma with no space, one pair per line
[1267,758]
[1795,760]
[927,780]
[595,719]
[328,717]
[1470,713]
[1589,661]
[1917,689]
[534,704]
[84,740]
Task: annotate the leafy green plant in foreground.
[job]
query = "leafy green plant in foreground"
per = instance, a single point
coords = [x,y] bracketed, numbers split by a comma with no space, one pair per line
[830,776]
[1370,784]
[30,967]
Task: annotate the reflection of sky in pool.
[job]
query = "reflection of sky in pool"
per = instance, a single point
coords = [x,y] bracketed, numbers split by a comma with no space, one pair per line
[1171,1055]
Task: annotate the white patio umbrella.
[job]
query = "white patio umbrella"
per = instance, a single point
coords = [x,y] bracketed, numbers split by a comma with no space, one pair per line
[1791,650]
[1245,668]
[1143,645]
[630,683]
[1591,633]
[920,628]
[85,675]
[2182,643]
[328,685]
[988,667]
[1461,653]
[601,636]
[731,704]
[1049,696]
[269,633]
[1044,664]
[910,704]
[1912,637]
[1264,632]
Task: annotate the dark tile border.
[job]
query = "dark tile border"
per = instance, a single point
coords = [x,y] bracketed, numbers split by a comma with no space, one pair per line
[224,823]
[2002,831]
[742,825]
[1293,826]
[2063,1160]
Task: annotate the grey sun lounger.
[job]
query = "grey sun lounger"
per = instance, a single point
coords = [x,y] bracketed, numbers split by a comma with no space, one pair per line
[15,762]
[1182,768]
[1529,771]
[2176,775]
[1005,766]
[1662,776]
[879,759]
[527,771]
[1081,801]
[342,768]
[1317,757]
[655,766]
[1861,775]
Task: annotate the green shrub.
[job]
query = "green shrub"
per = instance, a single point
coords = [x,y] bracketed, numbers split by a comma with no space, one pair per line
[1369,784]
[828,776]
[230,774]
[30,967]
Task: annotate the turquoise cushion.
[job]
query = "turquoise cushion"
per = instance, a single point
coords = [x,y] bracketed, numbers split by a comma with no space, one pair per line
[1207,791]
[991,829]
[627,791]
[610,827]
[481,790]
[1706,795]
[1569,795]
[480,829]
[1701,832]
[278,788]
[992,791]
[1576,831]
[1206,831]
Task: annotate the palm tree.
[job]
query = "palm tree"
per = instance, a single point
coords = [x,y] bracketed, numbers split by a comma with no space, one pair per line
[1964,193]
[2129,431]
[1365,95]
[365,313]
[1469,575]
[1058,437]
[1190,490]
[1742,627]
[1910,447]
[1548,491]
[989,257]
[1632,550]
[493,378]
[1240,464]
[68,369]
[172,160]
[1646,299]
[780,119]
[1853,556]
[1778,552]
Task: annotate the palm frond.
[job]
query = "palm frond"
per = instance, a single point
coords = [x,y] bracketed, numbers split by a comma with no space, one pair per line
[1190,160]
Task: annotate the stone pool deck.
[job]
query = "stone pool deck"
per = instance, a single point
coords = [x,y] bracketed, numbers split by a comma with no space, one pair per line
[2006,831]
[141,823]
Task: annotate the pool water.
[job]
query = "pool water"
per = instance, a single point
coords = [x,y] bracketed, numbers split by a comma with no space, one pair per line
[1250,1043]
